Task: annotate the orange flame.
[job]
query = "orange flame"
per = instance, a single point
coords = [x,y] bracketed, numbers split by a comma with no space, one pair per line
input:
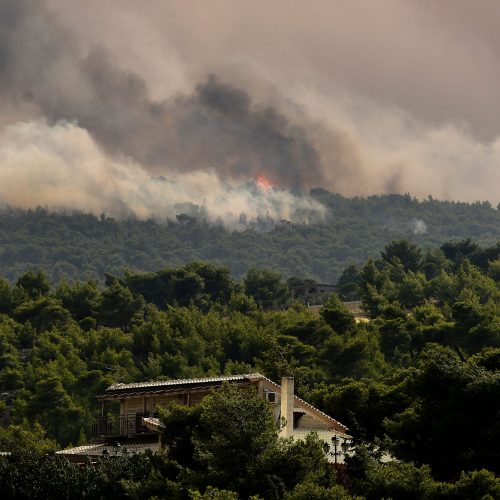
[263,182]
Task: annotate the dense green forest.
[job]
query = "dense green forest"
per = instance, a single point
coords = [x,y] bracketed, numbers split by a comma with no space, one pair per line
[81,246]
[420,380]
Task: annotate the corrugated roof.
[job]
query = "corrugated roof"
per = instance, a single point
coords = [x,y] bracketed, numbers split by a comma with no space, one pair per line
[186,381]
[96,450]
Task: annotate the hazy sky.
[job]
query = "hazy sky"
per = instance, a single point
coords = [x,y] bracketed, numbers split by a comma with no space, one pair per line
[357,96]
[437,60]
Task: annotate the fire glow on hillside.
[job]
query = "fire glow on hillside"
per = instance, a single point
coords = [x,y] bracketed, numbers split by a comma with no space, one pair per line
[263,182]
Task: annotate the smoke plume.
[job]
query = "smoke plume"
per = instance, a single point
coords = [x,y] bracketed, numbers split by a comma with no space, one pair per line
[418,226]
[216,126]
[139,111]
[63,168]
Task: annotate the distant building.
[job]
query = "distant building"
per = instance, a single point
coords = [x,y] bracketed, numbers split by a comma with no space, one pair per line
[138,427]
[311,290]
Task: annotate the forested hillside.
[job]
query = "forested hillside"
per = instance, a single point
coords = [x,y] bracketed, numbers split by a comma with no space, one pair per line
[420,379]
[81,246]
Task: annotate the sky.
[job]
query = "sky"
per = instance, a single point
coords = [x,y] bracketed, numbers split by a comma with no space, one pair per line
[141,107]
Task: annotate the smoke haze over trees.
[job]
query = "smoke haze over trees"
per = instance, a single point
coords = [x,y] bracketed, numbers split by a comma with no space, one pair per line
[80,246]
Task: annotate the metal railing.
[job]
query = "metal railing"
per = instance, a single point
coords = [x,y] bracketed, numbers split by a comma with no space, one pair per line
[120,426]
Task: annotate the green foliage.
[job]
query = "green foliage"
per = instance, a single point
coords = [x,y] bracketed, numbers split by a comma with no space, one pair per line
[236,428]
[474,485]
[197,283]
[43,314]
[266,287]
[81,300]
[52,407]
[358,356]
[404,252]
[16,439]
[312,491]
[33,475]
[398,480]
[180,423]
[212,493]
[6,297]
[230,442]
[452,422]
[292,462]
[362,405]
[337,315]
[375,479]
[488,358]
[34,285]
[118,306]
[348,283]
[421,376]
[81,246]
[494,270]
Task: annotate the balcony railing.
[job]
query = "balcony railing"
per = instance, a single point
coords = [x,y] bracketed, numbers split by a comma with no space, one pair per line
[120,426]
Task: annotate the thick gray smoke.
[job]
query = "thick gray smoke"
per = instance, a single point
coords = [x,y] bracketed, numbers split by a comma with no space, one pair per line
[91,123]
[62,167]
[215,127]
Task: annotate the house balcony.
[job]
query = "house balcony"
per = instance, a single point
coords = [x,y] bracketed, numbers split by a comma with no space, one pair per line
[119,427]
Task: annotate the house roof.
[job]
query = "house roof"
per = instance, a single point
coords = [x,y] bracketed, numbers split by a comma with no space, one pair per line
[96,450]
[117,390]
[183,382]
